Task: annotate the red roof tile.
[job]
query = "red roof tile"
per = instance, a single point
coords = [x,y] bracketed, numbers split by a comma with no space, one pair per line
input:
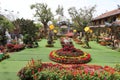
[107,14]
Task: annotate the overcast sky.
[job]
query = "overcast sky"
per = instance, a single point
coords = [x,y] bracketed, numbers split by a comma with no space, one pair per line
[23,6]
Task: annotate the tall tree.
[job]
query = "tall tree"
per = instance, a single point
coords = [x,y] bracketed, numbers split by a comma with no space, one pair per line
[81,17]
[60,10]
[43,13]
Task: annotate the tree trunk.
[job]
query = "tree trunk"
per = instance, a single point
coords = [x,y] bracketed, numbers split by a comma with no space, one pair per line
[87,40]
[45,29]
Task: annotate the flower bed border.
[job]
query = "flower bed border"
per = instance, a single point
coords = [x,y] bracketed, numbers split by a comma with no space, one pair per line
[36,70]
[67,60]
[5,57]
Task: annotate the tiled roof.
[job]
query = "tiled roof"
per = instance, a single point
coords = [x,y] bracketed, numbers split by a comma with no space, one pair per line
[107,14]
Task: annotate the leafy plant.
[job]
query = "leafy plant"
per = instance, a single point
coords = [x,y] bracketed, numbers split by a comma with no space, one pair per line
[48,71]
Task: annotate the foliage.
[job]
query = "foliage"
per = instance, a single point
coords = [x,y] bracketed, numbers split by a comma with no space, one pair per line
[117,67]
[43,13]
[29,31]
[3,53]
[59,10]
[31,68]
[27,27]
[5,56]
[35,70]
[5,23]
[15,47]
[81,17]
[38,25]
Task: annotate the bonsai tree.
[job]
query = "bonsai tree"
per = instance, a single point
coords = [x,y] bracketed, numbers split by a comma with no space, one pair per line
[50,36]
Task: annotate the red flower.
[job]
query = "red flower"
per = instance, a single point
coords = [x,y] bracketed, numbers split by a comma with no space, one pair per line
[33,61]
[39,69]
[86,71]
[33,72]
[92,73]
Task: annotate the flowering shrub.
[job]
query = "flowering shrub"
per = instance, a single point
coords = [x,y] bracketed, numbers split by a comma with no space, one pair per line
[117,67]
[35,70]
[2,48]
[18,47]
[15,47]
[4,56]
[69,59]
[69,54]
[65,41]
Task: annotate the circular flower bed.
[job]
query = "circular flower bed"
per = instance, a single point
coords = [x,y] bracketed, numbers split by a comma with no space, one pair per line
[69,54]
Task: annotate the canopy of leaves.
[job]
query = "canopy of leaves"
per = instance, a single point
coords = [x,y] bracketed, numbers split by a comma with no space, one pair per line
[28,30]
[27,27]
[5,23]
[42,12]
[82,16]
[59,10]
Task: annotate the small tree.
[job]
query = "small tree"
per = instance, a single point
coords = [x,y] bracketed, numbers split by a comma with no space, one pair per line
[43,13]
[82,18]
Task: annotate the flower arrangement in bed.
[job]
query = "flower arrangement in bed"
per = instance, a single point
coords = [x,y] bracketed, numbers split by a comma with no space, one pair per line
[69,54]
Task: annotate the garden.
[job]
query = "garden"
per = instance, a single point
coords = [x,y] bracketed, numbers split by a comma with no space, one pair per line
[54,49]
[32,62]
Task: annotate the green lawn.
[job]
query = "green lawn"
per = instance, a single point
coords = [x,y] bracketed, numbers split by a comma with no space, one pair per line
[101,55]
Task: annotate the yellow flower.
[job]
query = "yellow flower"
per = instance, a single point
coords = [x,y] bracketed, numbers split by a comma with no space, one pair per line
[90,31]
[51,27]
[74,30]
[86,29]
[55,31]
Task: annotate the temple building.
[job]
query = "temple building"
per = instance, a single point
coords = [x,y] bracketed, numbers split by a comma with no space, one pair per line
[109,25]
[109,21]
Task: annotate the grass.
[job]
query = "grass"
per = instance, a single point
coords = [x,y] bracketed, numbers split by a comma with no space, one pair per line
[101,55]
